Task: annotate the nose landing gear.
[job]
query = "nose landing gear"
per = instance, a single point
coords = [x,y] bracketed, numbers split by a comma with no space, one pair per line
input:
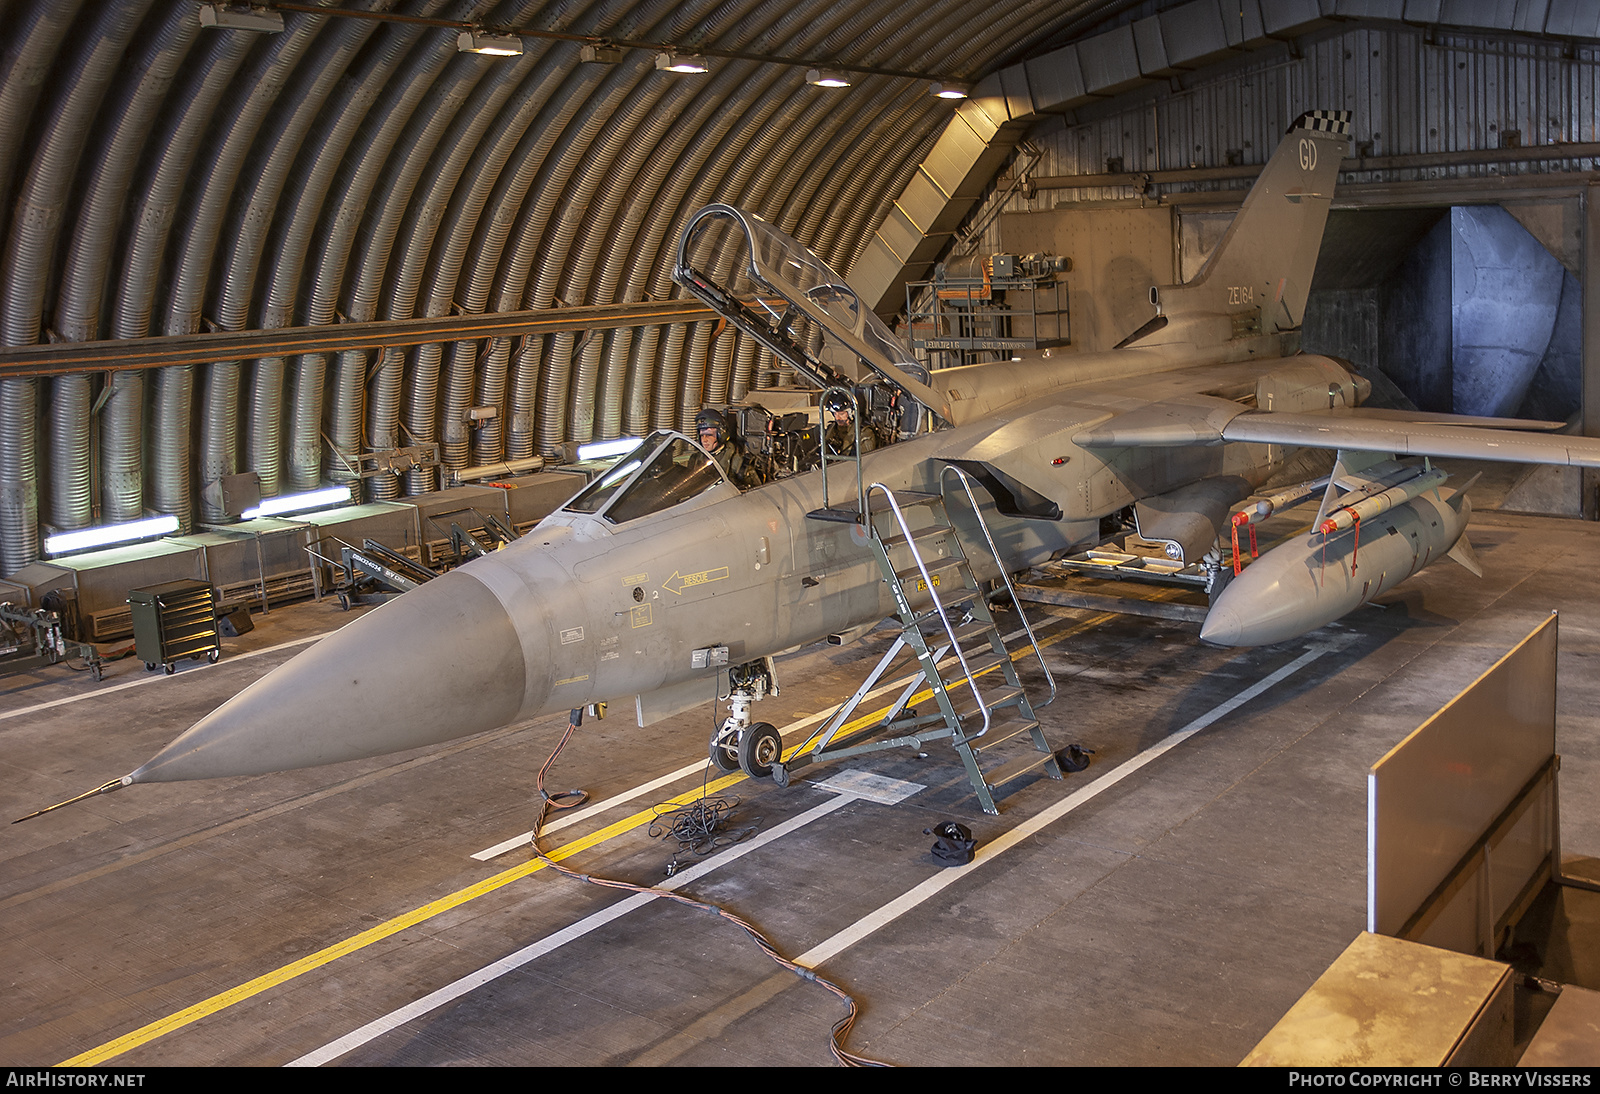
[737,744]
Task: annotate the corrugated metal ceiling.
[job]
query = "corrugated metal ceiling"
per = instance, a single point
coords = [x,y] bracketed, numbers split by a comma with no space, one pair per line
[157,177]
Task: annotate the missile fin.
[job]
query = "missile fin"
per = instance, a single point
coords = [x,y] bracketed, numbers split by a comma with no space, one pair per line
[1455,500]
[1462,552]
[1345,464]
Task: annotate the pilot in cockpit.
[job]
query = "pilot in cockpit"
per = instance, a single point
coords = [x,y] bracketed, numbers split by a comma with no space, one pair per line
[717,439]
[841,431]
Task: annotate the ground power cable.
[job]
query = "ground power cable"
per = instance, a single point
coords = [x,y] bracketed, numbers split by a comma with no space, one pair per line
[567,799]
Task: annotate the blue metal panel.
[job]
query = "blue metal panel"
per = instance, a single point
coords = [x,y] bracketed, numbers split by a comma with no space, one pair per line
[1148,45]
[1372,9]
[1578,18]
[1529,16]
[1241,21]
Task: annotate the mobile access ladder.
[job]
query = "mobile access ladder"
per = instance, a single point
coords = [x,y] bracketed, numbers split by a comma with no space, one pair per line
[968,671]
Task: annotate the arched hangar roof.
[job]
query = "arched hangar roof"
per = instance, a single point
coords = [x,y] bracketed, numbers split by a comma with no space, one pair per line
[162,176]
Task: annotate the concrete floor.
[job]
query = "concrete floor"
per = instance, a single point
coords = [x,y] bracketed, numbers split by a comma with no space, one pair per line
[1170,918]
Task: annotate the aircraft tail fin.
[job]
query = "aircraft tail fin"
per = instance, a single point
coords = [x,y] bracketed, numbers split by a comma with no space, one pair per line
[1260,273]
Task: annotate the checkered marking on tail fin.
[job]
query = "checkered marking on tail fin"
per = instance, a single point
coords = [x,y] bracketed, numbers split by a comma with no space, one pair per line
[1324,121]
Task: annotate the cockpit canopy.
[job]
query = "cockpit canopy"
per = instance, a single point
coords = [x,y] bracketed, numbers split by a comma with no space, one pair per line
[764,282]
[665,470]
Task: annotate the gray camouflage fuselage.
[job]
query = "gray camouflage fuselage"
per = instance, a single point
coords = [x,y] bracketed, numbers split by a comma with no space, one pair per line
[1181,421]
[579,611]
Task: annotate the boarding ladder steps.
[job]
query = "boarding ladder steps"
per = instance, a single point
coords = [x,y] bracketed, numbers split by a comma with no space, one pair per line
[943,611]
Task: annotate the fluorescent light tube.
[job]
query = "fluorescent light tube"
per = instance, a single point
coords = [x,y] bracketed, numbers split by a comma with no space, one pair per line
[107,534]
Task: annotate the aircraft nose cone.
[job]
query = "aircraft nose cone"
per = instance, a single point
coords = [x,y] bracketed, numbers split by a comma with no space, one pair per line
[1222,627]
[442,661]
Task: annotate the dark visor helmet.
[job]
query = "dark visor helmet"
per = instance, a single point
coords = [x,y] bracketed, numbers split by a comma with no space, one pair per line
[835,401]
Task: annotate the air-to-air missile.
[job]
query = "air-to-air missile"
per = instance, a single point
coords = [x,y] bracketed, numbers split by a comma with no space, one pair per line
[663,575]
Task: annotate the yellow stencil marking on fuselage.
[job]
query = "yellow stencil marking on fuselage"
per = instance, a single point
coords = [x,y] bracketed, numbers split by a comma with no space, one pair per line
[688,581]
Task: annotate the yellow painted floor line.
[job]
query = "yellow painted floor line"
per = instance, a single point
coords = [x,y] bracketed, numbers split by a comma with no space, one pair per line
[164,1026]
[189,1015]
[1025,651]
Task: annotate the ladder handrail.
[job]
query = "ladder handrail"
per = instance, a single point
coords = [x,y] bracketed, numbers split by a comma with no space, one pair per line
[933,592]
[994,551]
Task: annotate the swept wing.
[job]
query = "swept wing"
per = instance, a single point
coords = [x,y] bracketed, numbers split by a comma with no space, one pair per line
[1357,432]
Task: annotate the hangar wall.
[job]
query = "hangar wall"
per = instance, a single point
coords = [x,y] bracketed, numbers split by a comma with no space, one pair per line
[157,179]
[1303,55]
[1503,130]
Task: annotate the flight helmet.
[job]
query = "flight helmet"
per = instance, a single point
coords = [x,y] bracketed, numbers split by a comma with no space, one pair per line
[712,419]
[835,401]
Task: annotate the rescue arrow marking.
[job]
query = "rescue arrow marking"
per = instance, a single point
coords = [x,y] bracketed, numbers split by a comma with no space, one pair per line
[688,581]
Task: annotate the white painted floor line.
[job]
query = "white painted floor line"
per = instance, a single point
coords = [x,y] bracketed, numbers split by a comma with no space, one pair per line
[852,934]
[525,838]
[378,1027]
[902,904]
[232,659]
[584,814]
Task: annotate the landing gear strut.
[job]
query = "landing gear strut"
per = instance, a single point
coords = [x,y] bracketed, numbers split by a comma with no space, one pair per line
[1216,574]
[739,745]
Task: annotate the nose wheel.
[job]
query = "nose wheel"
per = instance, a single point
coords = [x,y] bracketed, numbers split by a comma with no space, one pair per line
[755,749]
[725,750]
[760,747]
[740,745]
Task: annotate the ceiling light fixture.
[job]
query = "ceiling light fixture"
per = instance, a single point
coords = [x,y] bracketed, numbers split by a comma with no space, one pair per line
[241,17]
[951,89]
[826,77]
[493,45]
[509,41]
[672,61]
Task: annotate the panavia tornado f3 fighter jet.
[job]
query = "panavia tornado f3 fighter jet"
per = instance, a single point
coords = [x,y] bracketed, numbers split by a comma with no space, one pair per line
[667,575]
